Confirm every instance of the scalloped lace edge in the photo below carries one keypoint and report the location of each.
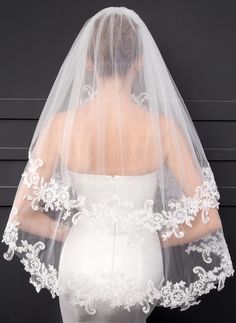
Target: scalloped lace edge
(170, 294)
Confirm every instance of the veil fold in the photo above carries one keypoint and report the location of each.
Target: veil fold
(116, 170)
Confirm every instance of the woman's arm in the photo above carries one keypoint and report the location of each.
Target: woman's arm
(188, 183)
(37, 222)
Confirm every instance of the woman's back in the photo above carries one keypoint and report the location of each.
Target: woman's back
(113, 142)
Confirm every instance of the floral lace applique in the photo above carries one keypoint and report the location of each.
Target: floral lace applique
(185, 210)
(117, 288)
(184, 295)
(56, 197)
(42, 276)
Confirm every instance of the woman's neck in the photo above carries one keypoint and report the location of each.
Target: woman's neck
(114, 91)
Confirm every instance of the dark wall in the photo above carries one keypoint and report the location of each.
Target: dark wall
(197, 41)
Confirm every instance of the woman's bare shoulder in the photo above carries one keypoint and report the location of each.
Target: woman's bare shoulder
(59, 119)
(143, 118)
(151, 120)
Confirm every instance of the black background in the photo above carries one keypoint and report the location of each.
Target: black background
(197, 41)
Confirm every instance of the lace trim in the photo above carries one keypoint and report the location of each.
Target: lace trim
(56, 196)
(89, 93)
(179, 295)
(42, 276)
(184, 211)
(116, 288)
(142, 99)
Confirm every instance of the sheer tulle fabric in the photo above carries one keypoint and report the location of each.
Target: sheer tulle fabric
(117, 208)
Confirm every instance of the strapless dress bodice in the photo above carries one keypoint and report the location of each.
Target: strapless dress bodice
(112, 251)
(95, 187)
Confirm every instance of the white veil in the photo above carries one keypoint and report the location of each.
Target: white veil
(115, 111)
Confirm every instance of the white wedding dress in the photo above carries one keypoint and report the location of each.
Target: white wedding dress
(97, 268)
(114, 247)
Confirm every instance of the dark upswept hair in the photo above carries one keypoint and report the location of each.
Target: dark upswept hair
(118, 45)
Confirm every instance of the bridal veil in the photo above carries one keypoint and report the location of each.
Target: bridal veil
(114, 111)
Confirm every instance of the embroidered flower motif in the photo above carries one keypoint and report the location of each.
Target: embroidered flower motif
(53, 194)
(41, 276)
(182, 295)
(111, 213)
(186, 209)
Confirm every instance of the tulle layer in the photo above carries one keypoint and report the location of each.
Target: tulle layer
(205, 266)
